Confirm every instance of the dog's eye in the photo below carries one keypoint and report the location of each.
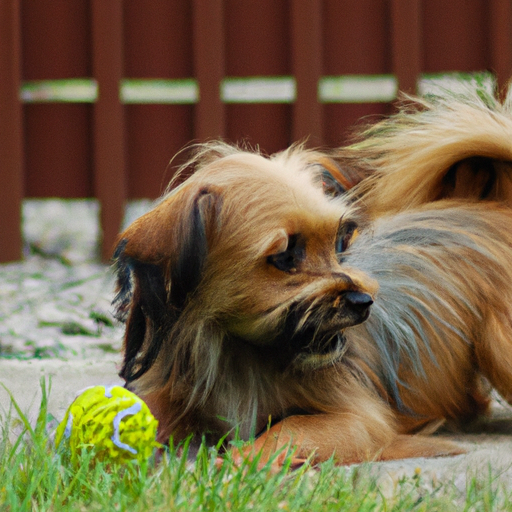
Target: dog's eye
(345, 234)
(288, 260)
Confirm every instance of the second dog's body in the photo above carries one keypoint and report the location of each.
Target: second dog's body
(442, 318)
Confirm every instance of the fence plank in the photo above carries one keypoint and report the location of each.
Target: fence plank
(501, 41)
(108, 127)
(406, 43)
(306, 36)
(11, 132)
(209, 63)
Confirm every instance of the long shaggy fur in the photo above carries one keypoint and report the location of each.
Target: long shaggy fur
(442, 317)
(438, 147)
(246, 295)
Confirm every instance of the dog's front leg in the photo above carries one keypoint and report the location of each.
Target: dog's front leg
(347, 436)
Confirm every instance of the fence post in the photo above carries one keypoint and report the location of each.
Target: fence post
(209, 64)
(11, 132)
(501, 42)
(306, 28)
(110, 186)
(406, 43)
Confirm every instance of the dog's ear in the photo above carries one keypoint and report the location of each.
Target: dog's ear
(159, 263)
(336, 178)
(194, 234)
(141, 303)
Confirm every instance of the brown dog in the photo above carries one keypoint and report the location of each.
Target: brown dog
(451, 146)
(247, 297)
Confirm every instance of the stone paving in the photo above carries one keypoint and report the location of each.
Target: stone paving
(55, 312)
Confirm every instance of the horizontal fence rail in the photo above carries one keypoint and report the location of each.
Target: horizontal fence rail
(97, 96)
(281, 89)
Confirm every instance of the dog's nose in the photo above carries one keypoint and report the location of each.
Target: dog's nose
(358, 301)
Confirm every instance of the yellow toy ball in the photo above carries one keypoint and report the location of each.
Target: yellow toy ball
(112, 421)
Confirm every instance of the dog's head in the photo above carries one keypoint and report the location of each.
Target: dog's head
(245, 252)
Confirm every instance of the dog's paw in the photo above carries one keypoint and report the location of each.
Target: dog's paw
(274, 461)
(273, 448)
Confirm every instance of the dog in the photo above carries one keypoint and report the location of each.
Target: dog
(444, 146)
(259, 302)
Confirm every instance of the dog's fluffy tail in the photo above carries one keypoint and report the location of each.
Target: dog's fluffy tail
(458, 145)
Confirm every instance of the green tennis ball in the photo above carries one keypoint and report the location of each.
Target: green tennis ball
(112, 421)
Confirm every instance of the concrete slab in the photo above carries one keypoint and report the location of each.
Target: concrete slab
(66, 378)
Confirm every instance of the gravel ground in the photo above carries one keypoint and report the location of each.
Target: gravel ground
(56, 323)
(55, 315)
(49, 309)
(56, 302)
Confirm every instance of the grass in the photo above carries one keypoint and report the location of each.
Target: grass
(35, 476)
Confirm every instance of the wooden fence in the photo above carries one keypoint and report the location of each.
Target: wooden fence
(96, 96)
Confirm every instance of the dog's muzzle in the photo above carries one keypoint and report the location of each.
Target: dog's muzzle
(317, 331)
